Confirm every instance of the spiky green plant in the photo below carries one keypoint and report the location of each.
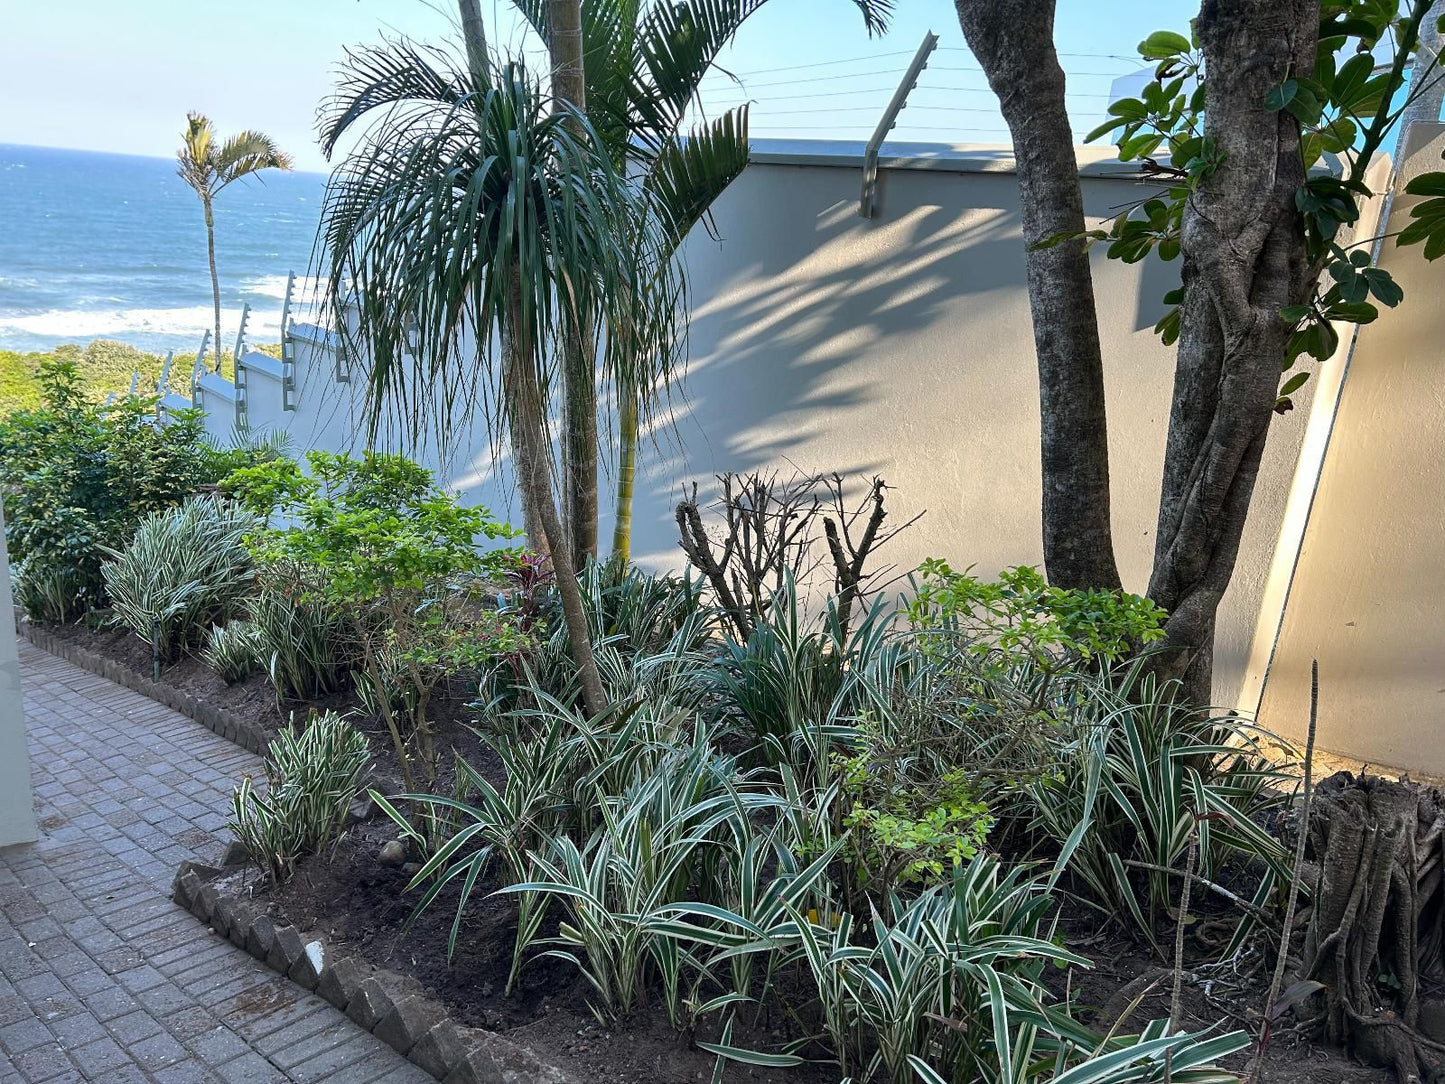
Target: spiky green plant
(233, 650)
(185, 569)
(1135, 769)
(312, 777)
(304, 645)
(475, 233)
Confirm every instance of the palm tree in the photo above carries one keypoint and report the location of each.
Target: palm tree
(474, 231)
(208, 167)
(643, 64)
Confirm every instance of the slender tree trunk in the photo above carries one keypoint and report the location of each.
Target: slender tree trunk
(579, 364)
(474, 33)
(626, 472)
(1013, 41)
(579, 448)
(215, 279)
(527, 421)
(522, 464)
(1244, 260)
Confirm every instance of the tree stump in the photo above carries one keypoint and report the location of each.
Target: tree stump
(1375, 928)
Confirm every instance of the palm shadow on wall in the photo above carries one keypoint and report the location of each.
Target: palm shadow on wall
(797, 315)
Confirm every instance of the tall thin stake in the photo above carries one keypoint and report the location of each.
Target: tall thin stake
(1299, 856)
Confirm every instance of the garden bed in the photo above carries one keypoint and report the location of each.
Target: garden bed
(358, 905)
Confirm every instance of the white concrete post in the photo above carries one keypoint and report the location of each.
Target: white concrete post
(17, 809)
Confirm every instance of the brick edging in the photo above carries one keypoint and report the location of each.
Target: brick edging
(226, 723)
(387, 1004)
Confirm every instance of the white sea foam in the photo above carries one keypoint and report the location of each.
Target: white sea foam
(263, 325)
(274, 286)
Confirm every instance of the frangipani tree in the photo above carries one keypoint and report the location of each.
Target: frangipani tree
(209, 165)
(475, 229)
(643, 64)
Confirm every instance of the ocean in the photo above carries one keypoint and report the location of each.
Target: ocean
(113, 246)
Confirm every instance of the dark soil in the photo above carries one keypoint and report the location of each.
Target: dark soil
(354, 900)
(254, 700)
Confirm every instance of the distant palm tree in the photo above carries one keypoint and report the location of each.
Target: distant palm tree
(208, 167)
(473, 232)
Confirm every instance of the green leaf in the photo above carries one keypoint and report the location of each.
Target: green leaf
(1163, 44)
(1354, 312)
(1294, 383)
(1106, 128)
(1282, 95)
(1427, 184)
(1350, 80)
(1386, 290)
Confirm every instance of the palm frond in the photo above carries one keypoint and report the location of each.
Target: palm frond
(461, 223)
(690, 173)
(246, 153)
(398, 72)
(679, 43)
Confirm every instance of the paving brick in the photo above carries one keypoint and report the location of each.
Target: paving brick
(102, 977)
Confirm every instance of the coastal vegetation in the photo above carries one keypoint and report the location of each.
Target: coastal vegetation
(102, 367)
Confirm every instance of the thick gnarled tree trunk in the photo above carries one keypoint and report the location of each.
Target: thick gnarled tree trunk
(1243, 261)
(1014, 41)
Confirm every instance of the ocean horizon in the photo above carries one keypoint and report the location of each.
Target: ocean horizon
(95, 245)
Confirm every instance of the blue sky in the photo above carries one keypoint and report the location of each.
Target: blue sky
(105, 75)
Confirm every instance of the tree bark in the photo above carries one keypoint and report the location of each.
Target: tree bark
(1243, 260)
(1013, 41)
(579, 446)
(215, 279)
(579, 371)
(474, 33)
(527, 421)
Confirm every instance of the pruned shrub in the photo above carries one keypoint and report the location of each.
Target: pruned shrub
(312, 777)
(185, 569)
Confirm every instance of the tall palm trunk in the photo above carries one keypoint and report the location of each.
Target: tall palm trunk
(579, 377)
(527, 422)
(215, 279)
(626, 472)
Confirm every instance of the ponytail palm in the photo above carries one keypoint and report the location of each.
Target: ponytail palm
(474, 231)
(644, 61)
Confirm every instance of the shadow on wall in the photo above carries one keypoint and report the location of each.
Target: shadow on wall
(820, 338)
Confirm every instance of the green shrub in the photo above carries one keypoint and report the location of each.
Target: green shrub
(1020, 617)
(376, 545)
(45, 591)
(233, 650)
(185, 569)
(311, 780)
(79, 476)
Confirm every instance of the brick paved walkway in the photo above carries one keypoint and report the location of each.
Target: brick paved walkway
(102, 977)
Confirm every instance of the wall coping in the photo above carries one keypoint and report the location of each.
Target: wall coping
(1100, 161)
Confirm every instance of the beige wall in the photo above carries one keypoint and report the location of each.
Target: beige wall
(899, 345)
(1368, 592)
(902, 345)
